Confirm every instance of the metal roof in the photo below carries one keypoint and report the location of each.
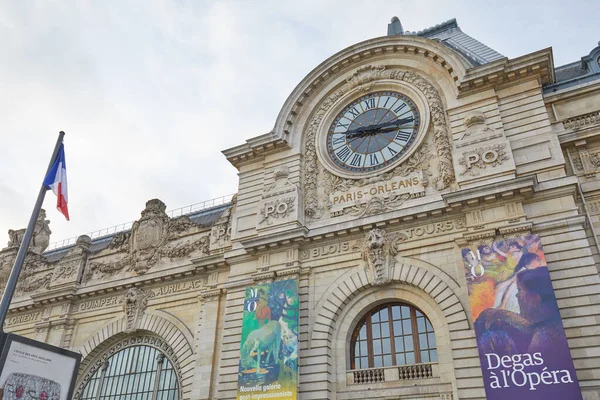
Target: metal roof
(204, 218)
(449, 34)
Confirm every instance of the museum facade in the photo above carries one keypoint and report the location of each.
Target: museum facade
(387, 161)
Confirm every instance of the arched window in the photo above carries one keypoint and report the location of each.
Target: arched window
(136, 372)
(392, 334)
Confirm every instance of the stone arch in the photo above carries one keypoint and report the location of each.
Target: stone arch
(156, 323)
(374, 296)
(440, 286)
(436, 54)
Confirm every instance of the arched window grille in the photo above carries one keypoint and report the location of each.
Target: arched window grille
(134, 373)
(392, 334)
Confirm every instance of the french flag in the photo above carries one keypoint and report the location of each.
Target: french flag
(57, 181)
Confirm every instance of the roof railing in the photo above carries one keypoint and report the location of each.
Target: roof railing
(178, 212)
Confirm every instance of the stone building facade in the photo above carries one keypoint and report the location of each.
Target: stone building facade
(502, 148)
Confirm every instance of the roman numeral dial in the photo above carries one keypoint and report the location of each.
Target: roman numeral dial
(373, 131)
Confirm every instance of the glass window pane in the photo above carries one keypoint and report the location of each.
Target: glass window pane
(399, 344)
(387, 346)
(378, 361)
(364, 361)
(131, 375)
(396, 312)
(433, 355)
(363, 332)
(363, 349)
(405, 312)
(429, 327)
(410, 358)
(397, 328)
(431, 337)
(377, 347)
(421, 325)
(418, 313)
(375, 317)
(423, 341)
(387, 361)
(400, 359)
(385, 329)
(383, 315)
(407, 326)
(375, 331)
(425, 356)
(408, 343)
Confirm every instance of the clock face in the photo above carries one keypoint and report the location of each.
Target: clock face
(373, 131)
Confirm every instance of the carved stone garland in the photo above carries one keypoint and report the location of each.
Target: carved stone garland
(146, 340)
(363, 79)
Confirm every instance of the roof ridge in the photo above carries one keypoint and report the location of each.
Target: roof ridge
(451, 23)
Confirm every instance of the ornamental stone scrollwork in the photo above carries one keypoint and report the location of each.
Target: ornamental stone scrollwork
(365, 78)
(378, 250)
(134, 305)
(441, 127)
(152, 238)
(480, 158)
(143, 340)
(281, 202)
(120, 241)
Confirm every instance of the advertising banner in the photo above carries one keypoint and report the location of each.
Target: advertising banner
(34, 370)
(268, 367)
(521, 340)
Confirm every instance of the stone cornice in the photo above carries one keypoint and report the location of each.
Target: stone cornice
(469, 197)
(255, 149)
(504, 71)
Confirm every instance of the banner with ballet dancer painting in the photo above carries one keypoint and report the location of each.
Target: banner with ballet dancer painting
(268, 367)
(521, 340)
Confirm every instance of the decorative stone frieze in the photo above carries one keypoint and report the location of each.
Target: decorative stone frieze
(151, 239)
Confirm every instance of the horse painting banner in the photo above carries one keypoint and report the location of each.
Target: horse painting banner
(520, 337)
(268, 367)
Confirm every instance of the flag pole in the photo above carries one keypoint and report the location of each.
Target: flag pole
(9, 290)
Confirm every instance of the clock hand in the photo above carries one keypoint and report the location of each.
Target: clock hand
(372, 129)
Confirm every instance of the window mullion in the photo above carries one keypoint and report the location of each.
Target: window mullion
(370, 342)
(159, 360)
(392, 335)
(415, 335)
(102, 375)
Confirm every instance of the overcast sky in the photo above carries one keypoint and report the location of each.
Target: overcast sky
(150, 92)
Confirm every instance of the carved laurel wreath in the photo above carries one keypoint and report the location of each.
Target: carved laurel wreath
(441, 139)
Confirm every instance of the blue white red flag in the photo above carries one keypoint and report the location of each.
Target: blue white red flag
(57, 181)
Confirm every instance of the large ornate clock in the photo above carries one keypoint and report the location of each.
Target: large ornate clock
(370, 134)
